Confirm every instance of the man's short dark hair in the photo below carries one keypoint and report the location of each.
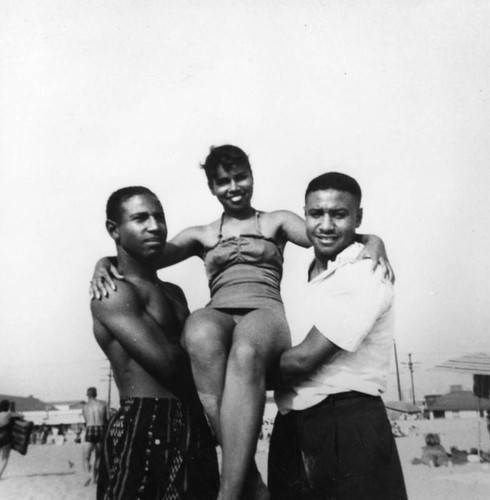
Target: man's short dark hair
(226, 156)
(117, 198)
(337, 181)
(4, 405)
(92, 392)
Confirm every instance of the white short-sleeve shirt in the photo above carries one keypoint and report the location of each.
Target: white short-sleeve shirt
(353, 307)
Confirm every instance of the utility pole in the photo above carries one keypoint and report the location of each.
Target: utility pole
(109, 387)
(410, 367)
(109, 390)
(400, 397)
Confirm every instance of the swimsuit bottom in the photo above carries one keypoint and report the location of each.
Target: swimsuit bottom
(94, 434)
(158, 449)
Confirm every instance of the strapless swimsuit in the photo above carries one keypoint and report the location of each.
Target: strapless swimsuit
(244, 272)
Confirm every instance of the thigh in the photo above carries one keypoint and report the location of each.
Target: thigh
(208, 329)
(265, 330)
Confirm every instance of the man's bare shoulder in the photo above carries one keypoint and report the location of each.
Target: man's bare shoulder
(125, 299)
(94, 404)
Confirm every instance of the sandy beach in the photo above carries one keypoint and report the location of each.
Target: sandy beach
(54, 472)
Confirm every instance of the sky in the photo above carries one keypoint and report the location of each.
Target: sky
(96, 95)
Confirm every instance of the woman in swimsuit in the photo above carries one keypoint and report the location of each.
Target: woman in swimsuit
(238, 336)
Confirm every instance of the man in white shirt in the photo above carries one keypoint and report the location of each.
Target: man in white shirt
(332, 438)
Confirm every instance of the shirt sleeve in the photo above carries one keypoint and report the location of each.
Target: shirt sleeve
(350, 302)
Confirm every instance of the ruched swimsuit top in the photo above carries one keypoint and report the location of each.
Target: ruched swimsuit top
(244, 272)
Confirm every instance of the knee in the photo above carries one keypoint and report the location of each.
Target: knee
(200, 339)
(247, 360)
(195, 332)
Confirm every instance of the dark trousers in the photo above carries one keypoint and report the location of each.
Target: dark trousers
(340, 449)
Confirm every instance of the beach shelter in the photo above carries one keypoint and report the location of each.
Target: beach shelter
(399, 409)
(402, 407)
(479, 366)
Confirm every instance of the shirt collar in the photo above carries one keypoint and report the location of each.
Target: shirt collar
(348, 255)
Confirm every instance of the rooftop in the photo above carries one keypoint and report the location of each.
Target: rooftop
(28, 404)
(458, 401)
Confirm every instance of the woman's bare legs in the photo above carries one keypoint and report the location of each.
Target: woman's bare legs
(257, 341)
(207, 338)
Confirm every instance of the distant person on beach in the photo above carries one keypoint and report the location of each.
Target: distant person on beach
(5, 434)
(158, 445)
(95, 415)
(332, 437)
(237, 338)
(433, 453)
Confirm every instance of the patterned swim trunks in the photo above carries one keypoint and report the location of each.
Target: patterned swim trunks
(157, 449)
(94, 434)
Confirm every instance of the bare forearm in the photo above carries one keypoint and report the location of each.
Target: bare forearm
(299, 361)
(293, 365)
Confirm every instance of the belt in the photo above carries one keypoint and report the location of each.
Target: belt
(339, 396)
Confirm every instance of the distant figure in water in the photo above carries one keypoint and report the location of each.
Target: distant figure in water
(95, 415)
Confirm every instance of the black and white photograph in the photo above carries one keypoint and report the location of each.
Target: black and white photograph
(244, 249)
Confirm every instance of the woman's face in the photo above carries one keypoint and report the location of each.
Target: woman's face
(233, 187)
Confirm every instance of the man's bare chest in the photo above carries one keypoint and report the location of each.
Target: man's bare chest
(164, 306)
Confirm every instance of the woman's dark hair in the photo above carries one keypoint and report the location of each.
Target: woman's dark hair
(226, 156)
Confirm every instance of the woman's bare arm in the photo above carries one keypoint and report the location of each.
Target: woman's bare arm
(292, 227)
(185, 244)
(375, 249)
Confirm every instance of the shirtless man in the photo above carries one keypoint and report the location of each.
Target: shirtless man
(95, 415)
(158, 445)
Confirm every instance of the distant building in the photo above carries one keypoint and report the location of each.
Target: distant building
(68, 405)
(23, 404)
(39, 412)
(402, 410)
(458, 403)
